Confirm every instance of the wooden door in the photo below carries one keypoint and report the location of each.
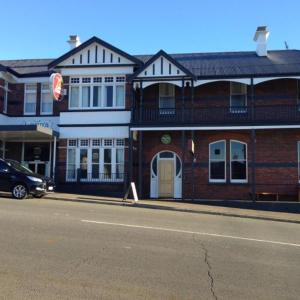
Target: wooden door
(166, 178)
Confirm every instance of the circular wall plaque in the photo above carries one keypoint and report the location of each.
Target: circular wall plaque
(166, 139)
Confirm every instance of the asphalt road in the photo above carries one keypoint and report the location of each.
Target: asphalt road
(60, 250)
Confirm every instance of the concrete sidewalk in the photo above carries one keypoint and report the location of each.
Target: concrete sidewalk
(184, 206)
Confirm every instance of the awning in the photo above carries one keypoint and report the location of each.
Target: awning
(29, 132)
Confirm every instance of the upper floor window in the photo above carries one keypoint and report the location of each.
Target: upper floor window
(46, 100)
(238, 97)
(166, 98)
(217, 161)
(238, 161)
(5, 97)
(97, 92)
(30, 99)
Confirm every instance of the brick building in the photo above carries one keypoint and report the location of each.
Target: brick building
(191, 125)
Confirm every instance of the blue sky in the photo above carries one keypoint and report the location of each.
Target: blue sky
(39, 29)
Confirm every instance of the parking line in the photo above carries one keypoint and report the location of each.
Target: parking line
(192, 232)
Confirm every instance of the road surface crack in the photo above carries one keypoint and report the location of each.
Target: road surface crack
(209, 270)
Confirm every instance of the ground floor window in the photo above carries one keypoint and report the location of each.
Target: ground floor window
(95, 159)
(238, 161)
(217, 161)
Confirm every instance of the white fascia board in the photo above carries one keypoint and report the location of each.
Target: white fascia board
(8, 77)
(240, 80)
(214, 128)
(96, 71)
(263, 79)
(121, 132)
(95, 117)
(34, 79)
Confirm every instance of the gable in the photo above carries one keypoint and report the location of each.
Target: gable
(95, 54)
(161, 66)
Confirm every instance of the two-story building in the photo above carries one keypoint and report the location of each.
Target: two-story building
(191, 125)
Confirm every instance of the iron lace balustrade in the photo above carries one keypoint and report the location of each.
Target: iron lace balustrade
(218, 116)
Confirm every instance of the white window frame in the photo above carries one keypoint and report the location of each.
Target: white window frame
(45, 91)
(239, 180)
(209, 160)
(103, 85)
(238, 110)
(114, 146)
(25, 97)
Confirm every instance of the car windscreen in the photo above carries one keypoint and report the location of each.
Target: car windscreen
(18, 166)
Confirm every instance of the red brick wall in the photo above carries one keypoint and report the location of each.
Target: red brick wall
(276, 162)
(15, 99)
(216, 94)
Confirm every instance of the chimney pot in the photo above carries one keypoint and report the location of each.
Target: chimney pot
(261, 37)
(74, 41)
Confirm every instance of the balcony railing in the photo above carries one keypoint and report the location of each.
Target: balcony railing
(244, 115)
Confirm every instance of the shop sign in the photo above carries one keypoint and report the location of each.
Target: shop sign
(56, 86)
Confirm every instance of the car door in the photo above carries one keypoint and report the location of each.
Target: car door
(5, 177)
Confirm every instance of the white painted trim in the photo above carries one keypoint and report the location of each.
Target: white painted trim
(214, 128)
(148, 83)
(263, 79)
(239, 180)
(34, 80)
(225, 171)
(239, 80)
(154, 184)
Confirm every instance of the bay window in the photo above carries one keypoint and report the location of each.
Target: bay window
(238, 161)
(46, 100)
(30, 99)
(97, 92)
(96, 159)
(217, 161)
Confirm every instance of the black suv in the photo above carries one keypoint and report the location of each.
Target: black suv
(21, 181)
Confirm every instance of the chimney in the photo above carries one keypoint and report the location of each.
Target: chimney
(261, 37)
(74, 41)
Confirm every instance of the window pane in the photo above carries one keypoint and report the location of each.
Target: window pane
(47, 103)
(238, 170)
(238, 100)
(217, 170)
(83, 163)
(119, 171)
(86, 94)
(30, 102)
(238, 88)
(71, 168)
(107, 156)
(166, 155)
(109, 96)
(120, 97)
(97, 96)
(74, 97)
(120, 156)
(95, 156)
(217, 150)
(238, 151)
(107, 171)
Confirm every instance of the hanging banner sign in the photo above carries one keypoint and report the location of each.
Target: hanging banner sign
(56, 86)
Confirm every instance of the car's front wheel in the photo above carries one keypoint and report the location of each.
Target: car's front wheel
(19, 191)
